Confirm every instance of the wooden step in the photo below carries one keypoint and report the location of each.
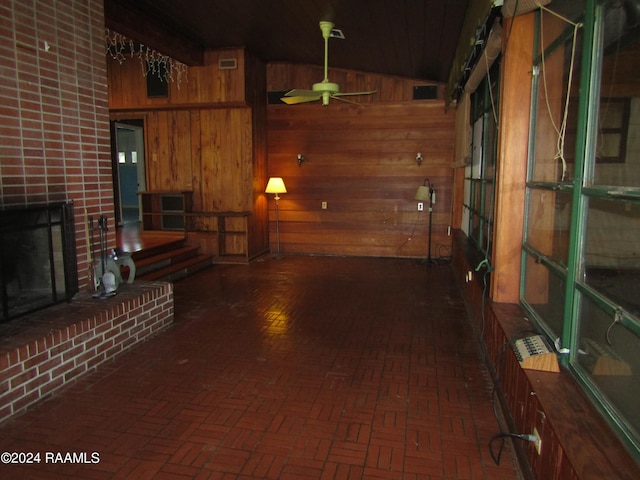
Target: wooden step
(177, 270)
(154, 250)
(164, 258)
(162, 255)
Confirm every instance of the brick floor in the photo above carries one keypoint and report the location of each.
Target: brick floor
(298, 368)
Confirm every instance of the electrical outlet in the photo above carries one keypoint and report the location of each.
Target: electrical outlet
(538, 442)
(420, 206)
(324, 205)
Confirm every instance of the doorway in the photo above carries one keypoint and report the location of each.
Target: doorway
(129, 170)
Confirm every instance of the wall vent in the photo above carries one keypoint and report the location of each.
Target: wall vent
(425, 92)
(227, 64)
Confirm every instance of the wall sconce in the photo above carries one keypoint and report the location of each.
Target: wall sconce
(419, 158)
(426, 193)
(276, 186)
(300, 159)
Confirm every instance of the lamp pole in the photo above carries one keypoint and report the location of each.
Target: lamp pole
(277, 225)
(276, 186)
(431, 193)
(426, 192)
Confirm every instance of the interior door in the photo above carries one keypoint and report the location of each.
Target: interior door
(129, 158)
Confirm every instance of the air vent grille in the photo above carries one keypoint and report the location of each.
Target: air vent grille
(227, 64)
(425, 92)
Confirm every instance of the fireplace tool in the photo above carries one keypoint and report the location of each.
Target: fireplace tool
(107, 278)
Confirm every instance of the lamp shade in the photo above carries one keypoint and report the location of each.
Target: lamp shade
(275, 185)
(422, 194)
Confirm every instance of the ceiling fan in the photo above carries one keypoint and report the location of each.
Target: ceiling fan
(325, 89)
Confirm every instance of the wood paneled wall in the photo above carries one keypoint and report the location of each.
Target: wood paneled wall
(208, 136)
(212, 136)
(361, 160)
(206, 85)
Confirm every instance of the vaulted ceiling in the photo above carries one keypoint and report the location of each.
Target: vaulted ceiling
(411, 38)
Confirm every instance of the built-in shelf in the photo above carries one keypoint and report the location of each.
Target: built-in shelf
(221, 234)
(229, 228)
(165, 210)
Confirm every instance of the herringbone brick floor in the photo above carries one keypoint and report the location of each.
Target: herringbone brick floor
(295, 368)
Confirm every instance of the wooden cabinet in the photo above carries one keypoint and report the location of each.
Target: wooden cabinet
(165, 210)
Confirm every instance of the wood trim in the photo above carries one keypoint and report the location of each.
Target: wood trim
(511, 171)
(181, 107)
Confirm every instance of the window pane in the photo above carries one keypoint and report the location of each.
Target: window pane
(475, 227)
(618, 138)
(544, 293)
(467, 199)
(486, 237)
(548, 223)
(554, 25)
(609, 356)
(557, 103)
(490, 147)
(475, 201)
(476, 152)
(488, 200)
(612, 251)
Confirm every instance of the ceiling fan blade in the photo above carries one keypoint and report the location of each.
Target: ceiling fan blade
(299, 92)
(335, 97)
(341, 94)
(300, 99)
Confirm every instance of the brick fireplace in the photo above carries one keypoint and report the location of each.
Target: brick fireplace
(37, 258)
(56, 146)
(56, 150)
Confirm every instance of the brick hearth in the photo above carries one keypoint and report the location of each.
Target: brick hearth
(42, 352)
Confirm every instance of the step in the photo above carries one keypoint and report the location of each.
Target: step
(178, 270)
(141, 255)
(164, 258)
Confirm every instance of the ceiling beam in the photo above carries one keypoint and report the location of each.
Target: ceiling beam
(141, 27)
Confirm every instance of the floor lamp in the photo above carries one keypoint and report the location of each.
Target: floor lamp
(276, 186)
(426, 193)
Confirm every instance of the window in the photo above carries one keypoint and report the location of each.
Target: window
(157, 79)
(480, 174)
(581, 253)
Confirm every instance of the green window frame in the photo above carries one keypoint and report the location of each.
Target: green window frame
(479, 198)
(580, 276)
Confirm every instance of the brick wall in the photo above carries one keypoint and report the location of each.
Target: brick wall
(54, 347)
(54, 119)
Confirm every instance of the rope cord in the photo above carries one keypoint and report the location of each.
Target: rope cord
(562, 128)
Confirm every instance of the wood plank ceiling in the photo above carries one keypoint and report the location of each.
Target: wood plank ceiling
(409, 38)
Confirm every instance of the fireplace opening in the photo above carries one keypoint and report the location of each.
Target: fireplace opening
(38, 266)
